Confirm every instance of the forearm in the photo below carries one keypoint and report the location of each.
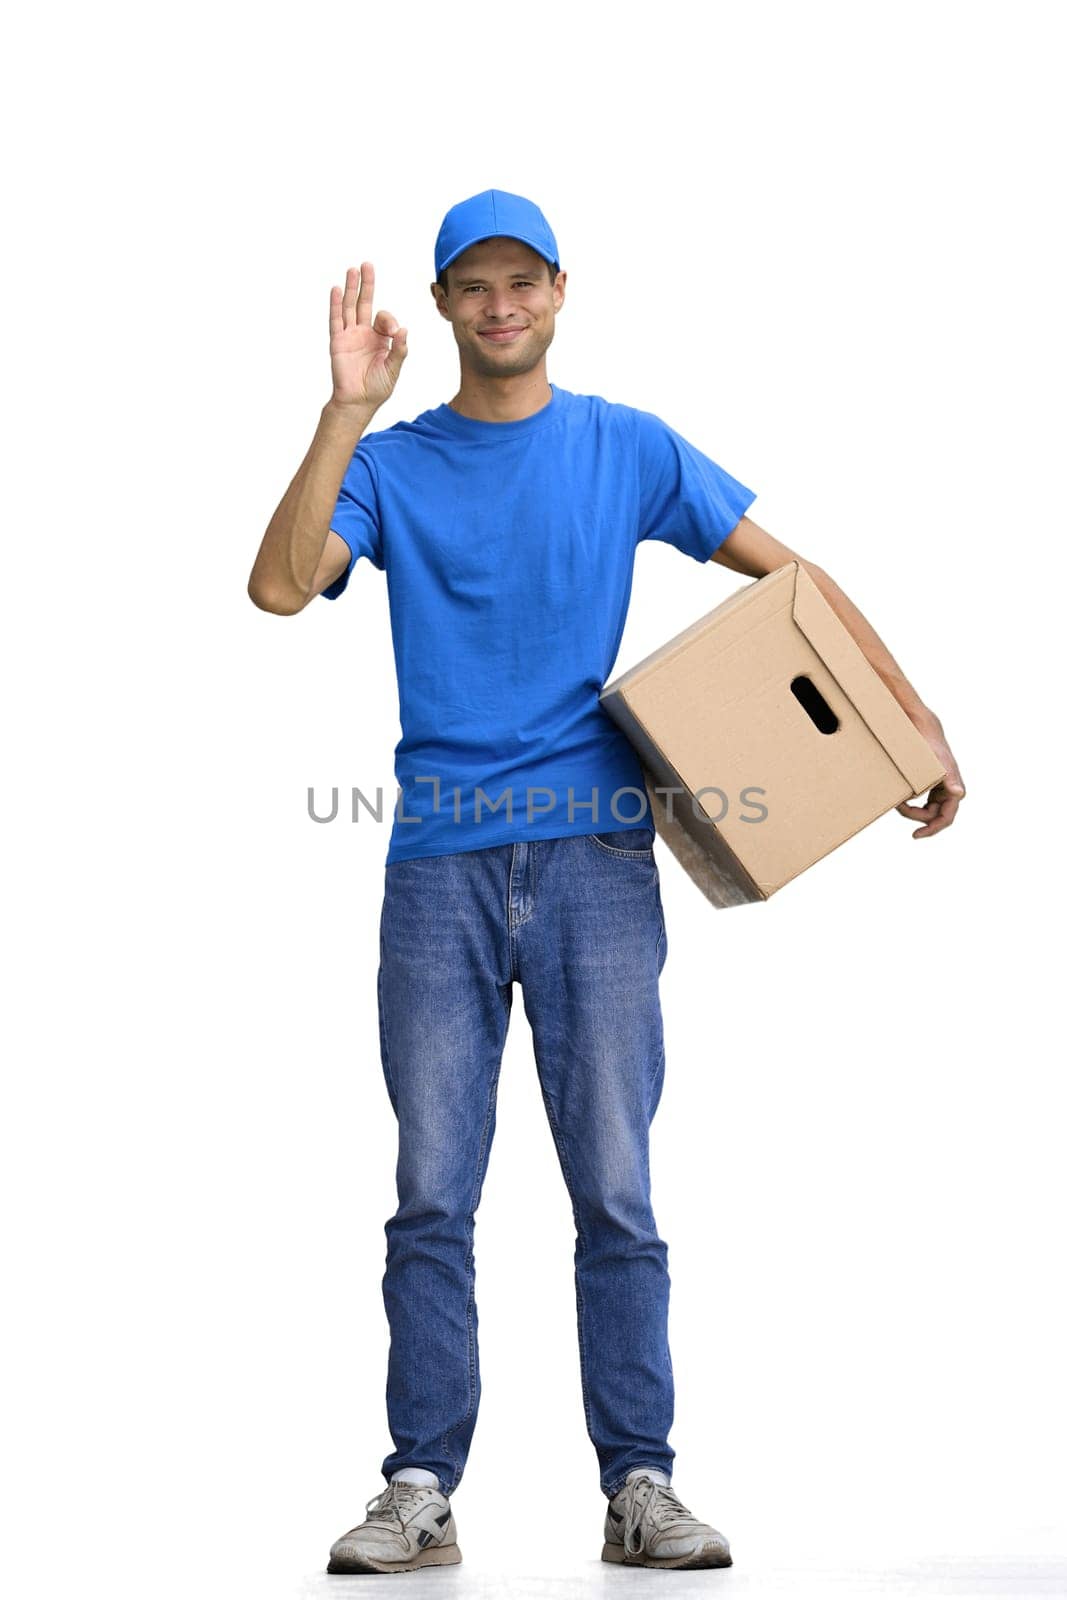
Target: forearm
(887, 668)
(293, 544)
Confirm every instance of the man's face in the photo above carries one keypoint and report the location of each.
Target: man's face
(501, 286)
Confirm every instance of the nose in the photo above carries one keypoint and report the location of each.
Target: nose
(500, 305)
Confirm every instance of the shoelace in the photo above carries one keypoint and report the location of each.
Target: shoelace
(655, 1502)
(393, 1501)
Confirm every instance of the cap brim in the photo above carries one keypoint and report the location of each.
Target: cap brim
(481, 240)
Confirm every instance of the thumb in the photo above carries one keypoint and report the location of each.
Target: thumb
(395, 359)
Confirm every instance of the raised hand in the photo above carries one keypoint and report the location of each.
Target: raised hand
(365, 354)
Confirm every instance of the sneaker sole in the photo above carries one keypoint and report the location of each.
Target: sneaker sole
(433, 1556)
(709, 1556)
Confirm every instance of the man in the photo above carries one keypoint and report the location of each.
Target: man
(522, 847)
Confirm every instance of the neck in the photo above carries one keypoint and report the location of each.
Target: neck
(504, 399)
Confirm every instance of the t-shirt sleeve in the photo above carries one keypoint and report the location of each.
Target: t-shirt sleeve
(686, 499)
(357, 519)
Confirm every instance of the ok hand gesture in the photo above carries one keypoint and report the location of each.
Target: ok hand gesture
(366, 355)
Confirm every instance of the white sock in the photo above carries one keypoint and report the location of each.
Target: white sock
(655, 1473)
(420, 1475)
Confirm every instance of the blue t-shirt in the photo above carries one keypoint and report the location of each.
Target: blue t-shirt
(508, 549)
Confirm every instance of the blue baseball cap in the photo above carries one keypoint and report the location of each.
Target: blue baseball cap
(490, 215)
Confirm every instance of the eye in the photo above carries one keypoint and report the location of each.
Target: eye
(522, 283)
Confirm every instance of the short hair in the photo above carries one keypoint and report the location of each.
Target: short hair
(553, 274)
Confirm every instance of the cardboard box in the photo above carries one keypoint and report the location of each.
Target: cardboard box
(769, 702)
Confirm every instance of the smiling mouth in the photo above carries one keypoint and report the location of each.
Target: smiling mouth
(500, 335)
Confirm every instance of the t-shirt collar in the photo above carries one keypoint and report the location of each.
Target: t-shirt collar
(463, 427)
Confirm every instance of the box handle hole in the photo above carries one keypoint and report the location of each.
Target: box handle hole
(814, 704)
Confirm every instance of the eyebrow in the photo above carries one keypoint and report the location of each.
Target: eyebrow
(464, 283)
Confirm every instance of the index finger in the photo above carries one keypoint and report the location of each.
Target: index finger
(930, 809)
(947, 815)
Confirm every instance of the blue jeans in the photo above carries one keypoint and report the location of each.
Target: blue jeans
(578, 923)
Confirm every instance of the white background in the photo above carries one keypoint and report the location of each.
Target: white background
(821, 242)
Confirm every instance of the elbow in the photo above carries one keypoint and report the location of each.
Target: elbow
(279, 604)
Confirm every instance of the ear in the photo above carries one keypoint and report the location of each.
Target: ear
(440, 300)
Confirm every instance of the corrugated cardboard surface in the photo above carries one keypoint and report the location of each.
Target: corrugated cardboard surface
(718, 707)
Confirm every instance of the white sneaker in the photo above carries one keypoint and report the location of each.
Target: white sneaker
(648, 1526)
(408, 1525)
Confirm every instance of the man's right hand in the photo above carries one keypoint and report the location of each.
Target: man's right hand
(366, 353)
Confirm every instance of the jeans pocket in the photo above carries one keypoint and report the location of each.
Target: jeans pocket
(625, 841)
